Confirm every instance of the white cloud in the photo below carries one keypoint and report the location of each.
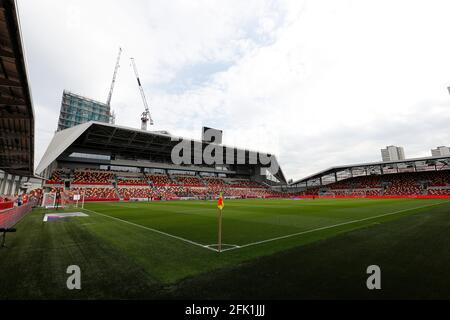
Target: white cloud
(318, 83)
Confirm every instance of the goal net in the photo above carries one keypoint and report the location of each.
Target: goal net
(50, 200)
(76, 199)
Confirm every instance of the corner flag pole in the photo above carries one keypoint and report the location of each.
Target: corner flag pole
(219, 233)
(220, 206)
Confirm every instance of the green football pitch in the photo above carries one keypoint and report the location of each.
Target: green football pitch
(252, 222)
(149, 249)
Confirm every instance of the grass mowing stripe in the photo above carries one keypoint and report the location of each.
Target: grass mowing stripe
(332, 226)
(271, 239)
(154, 230)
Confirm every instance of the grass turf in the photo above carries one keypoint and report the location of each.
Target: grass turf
(122, 257)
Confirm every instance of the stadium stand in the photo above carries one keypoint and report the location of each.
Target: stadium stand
(158, 179)
(127, 181)
(439, 192)
(135, 193)
(92, 177)
(242, 183)
(156, 186)
(138, 164)
(55, 178)
(191, 181)
(97, 194)
(214, 182)
(404, 185)
(395, 184)
(98, 186)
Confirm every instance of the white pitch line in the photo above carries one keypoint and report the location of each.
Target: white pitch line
(332, 226)
(232, 246)
(154, 230)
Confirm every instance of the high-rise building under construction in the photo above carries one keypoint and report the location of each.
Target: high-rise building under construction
(76, 109)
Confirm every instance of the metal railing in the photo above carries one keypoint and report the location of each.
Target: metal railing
(10, 217)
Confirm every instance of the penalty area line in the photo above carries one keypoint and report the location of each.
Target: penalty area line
(154, 230)
(334, 226)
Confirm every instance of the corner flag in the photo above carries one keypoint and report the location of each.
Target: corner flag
(220, 203)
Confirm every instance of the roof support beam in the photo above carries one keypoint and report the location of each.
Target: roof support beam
(12, 134)
(6, 101)
(9, 83)
(9, 153)
(18, 116)
(6, 54)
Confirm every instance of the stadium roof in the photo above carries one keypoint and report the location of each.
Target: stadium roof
(370, 165)
(153, 148)
(16, 108)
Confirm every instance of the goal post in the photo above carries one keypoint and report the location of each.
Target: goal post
(71, 199)
(49, 200)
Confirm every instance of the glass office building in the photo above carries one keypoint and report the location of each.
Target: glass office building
(76, 109)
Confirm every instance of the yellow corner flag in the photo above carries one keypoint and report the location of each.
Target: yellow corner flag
(220, 203)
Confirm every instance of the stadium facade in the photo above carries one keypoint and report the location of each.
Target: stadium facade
(76, 109)
(416, 173)
(134, 152)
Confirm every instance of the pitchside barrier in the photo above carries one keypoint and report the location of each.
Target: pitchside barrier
(375, 197)
(10, 217)
(6, 205)
(136, 199)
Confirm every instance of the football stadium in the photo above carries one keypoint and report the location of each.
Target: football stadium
(145, 214)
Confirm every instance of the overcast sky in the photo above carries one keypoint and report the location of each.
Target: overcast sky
(318, 83)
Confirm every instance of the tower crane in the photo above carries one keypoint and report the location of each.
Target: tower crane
(116, 68)
(145, 116)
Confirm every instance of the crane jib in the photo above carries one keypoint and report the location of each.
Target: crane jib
(145, 117)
